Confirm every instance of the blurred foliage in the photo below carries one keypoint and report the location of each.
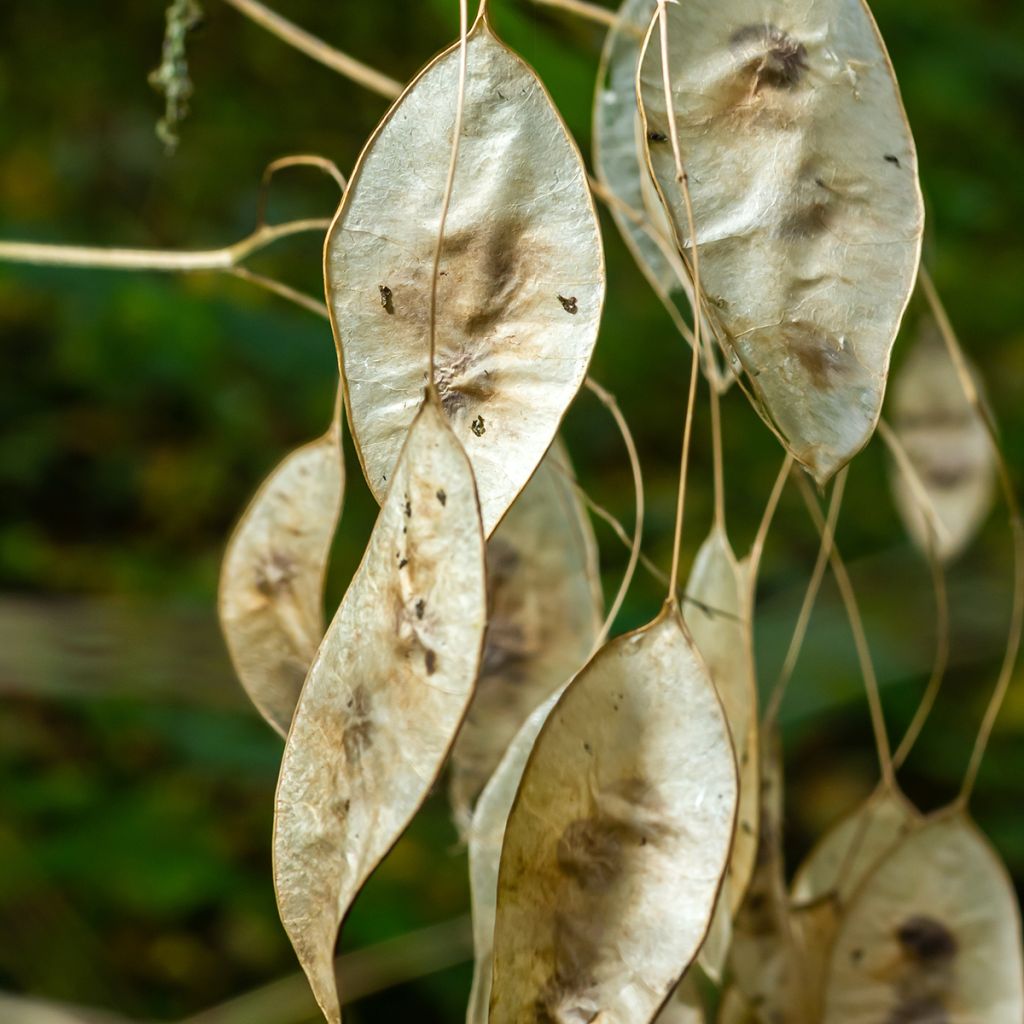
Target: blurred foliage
(139, 412)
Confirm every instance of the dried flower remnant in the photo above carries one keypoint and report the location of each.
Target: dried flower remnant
(384, 697)
(171, 78)
(947, 444)
(809, 234)
(933, 934)
(521, 229)
(270, 600)
(618, 839)
(545, 608)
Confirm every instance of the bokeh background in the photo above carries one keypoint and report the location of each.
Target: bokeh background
(138, 413)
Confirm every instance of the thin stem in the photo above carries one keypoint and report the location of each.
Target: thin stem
(42, 254)
(926, 510)
(449, 185)
(609, 402)
(363, 972)
(796, 641)
(661, 19)
(716, 457)
(761, 537)
(311, 46)
(592, 12)
(867, 668)
(1016, 626)
(282, 290)
(328, 167)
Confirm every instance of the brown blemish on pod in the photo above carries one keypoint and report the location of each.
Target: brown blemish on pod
(358, 728)
(275, 574)
(822, 356)
(569, 304)
(386, 299)
(772, 58)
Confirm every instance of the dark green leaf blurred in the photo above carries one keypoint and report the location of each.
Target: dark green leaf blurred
(139, 413)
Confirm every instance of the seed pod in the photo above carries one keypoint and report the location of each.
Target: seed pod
(808, 212)
(719, 618)
(545, 609)
(270, 600)
(384, 696)
(932, 934)
(685, 1006)
(521, 280)
(618, 839)
(947, 444)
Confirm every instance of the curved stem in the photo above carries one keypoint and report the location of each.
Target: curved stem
(796, 641)
(168, 260)
(1016, 626)
(761, 537)
(716, 456)
(282, 290)
(328, 167)
(608, 401)
(449, 185)
(930, 516)
(311, 46)
(859, 637)
(592, 12)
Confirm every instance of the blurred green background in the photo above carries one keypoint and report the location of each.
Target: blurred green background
(139, 412)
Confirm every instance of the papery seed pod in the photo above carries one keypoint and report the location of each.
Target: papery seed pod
(384, 697)
(521, 281)
(805, 197)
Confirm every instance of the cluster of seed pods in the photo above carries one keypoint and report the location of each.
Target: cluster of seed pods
(621, 799)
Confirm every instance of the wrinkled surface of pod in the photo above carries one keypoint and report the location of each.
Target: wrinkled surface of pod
(545, 608)
(521, 277)
(618, 838)
(808, 212)
(947, 443)
(933, 934)
(384, 696)
(270, 598)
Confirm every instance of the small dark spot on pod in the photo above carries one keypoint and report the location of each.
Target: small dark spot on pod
(403, 562)
(588, 748)
(856, 955)
(569, 304)
(926, 939)
(657, 137)
(385, 298)
(477, 426)
(893, 159)
(430, 661)
(442, 497)
(776, 59)
(421, 607)
(408, 509)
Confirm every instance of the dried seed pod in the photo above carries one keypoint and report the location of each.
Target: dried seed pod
(719, 618)
(846, 854)
(685, 1006)
(947, 444)
(932, 934)
(270, 599)
(806, 201)
(384, 696)
(545, 609)
(618, 839)
(485, 840)
(521, 275)
(617, 143)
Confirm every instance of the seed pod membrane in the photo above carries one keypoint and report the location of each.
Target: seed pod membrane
(718, 615)
(545, 610)
(485, 839)
(847, 852)
(618, 839)
(685, 1005)
(947, 443)
(270, 599)
(521, 276)
(806, 201)
(933, 934)
(384, 696)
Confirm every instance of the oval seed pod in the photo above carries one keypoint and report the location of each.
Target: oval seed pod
(718, 615)
(808, 212)
(384, 696)
(618, 839)
(545, 609)
(947, 444)
(485, 840)
(270, 597)
(933, 934)
(521, 276)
